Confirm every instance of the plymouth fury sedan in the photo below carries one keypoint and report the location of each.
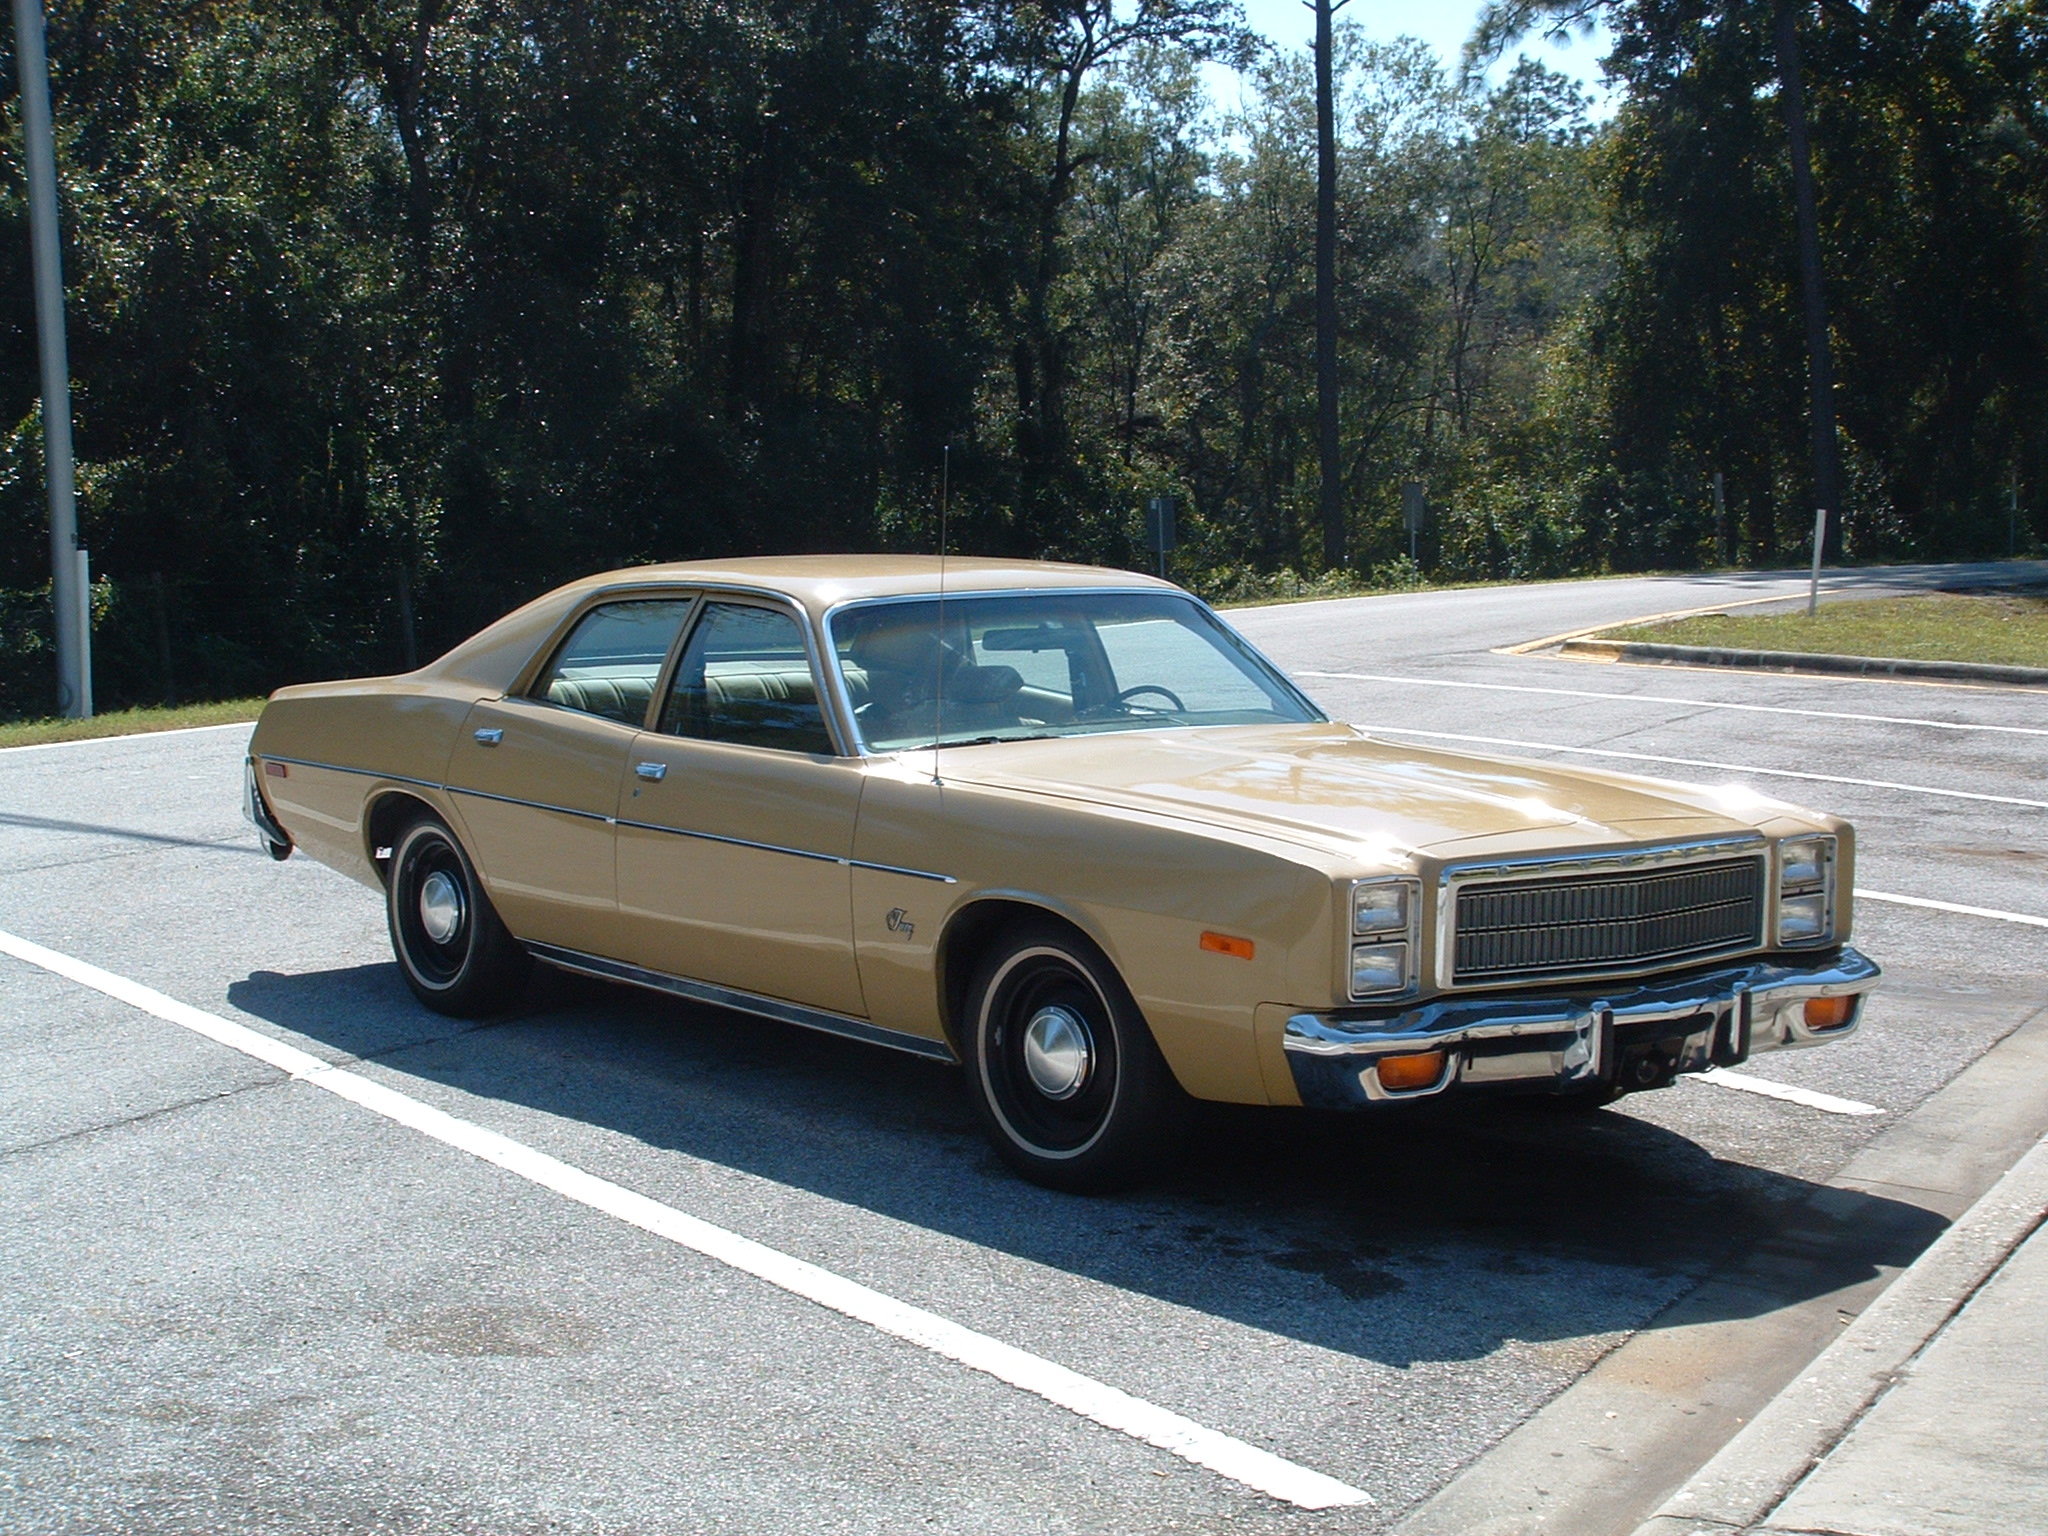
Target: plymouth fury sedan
(1062, 826)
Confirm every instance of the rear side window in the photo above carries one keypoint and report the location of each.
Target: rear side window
(745, 677)
(612, 659)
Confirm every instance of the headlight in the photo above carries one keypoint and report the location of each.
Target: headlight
(1384, 915)
(1381, 906)
(1806, 890)
(1377, 968)
(1802, 919)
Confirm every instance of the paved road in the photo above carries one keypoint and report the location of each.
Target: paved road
(229, 1301)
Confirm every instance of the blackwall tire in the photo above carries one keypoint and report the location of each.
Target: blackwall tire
(1062, 1069)
(452, 948)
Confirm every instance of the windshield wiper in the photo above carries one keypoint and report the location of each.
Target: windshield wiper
(985, 741)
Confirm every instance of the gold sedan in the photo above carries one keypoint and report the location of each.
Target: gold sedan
(1061, 825)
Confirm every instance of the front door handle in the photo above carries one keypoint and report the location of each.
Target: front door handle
(489, 736)
(654, 773)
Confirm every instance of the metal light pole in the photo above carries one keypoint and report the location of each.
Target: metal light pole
(68, 587)
(1330, 489)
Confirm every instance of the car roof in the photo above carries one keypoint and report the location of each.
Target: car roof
(495, 655)
(820, 581)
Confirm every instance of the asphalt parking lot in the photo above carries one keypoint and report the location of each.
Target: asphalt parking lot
(232, 1301)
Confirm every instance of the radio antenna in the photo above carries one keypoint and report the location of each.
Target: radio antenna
(939, 682)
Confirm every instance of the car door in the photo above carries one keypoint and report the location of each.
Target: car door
(736, 818)
(535, 775)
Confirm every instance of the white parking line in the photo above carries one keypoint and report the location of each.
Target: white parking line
(1668, 698)
(1952, 906)
(1721, 1077)
(1695, 762)
(1091, 1399)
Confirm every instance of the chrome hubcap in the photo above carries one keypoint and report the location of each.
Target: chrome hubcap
(440, 907)
(1058, 1052)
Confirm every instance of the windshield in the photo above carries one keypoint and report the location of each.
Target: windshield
(1049, 664)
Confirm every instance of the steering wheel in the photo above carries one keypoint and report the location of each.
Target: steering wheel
(1125, 696)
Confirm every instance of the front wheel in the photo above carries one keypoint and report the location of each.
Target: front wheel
(457, 955)
(1061, 1067)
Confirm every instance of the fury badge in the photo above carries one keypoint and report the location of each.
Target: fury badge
(899, 921)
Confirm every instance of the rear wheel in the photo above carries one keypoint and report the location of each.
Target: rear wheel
(457, 956)
(1062, 1069)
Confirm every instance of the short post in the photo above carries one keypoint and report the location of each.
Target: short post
(1721, 516)
(1159, 529)
(163, 636)
(1820, 533)
(1413, 507)
(82, 642)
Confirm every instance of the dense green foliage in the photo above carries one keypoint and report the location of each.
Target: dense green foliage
(392, 313)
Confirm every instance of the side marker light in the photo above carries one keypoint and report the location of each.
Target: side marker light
(1404, 1074)
(1829, 1012)
(1224, 944)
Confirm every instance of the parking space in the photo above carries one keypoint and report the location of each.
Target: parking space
(235, 1301)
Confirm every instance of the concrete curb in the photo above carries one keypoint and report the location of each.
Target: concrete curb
(1755, 1471)
(1816, 662)
(1604, 1454)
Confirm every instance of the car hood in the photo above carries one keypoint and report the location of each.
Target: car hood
(1337, 787)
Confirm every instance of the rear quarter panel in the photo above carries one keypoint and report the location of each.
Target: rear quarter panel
(342, 745)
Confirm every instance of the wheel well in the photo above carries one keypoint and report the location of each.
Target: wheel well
(969, 937)
(388, 813)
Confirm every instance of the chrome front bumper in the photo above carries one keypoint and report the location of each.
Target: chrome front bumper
(1579, 1041)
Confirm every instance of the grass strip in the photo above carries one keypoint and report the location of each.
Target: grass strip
(1997, 629)
(128, 722)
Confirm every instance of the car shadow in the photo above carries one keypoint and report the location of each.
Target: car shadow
(235, 845)
(1429, 1236)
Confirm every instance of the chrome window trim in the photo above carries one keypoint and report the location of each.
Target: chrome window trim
(567, 709)
(745, 1002)
(1454, 877)
(838, 678)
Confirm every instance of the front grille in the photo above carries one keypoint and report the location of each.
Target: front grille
(1568, 924)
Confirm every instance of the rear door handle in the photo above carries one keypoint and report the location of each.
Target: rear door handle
(489, 736)
(654, 773)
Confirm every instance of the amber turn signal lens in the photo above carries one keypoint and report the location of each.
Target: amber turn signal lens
(1224, 944)
(1829, 1012)
(1404, 1074)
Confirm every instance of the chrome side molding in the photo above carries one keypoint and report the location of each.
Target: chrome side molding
(743, 1002)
